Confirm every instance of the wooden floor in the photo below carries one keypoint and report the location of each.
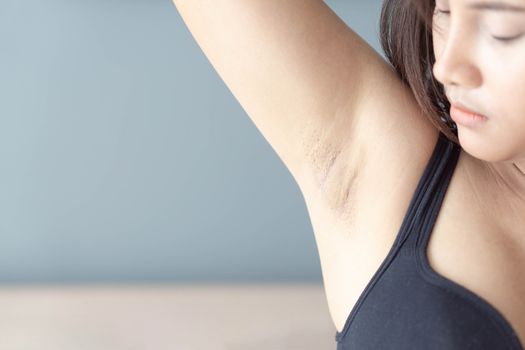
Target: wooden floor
(158, 317)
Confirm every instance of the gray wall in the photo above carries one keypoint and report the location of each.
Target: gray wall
(124, 157)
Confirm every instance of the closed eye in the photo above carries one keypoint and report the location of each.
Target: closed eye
(507, 39)
(438, 11)
(498, 38)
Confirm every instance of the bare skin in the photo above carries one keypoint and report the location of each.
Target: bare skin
(481, 71)
(355, 140)
(478, 240)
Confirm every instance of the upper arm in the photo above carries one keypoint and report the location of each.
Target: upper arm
(295, 67)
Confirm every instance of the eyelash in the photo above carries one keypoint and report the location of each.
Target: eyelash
(503, 40)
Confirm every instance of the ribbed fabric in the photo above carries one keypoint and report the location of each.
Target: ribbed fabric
(407, 305)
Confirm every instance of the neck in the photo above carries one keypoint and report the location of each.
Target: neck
(499, 190)
(516, 178)
(518, 168)
(509, 189)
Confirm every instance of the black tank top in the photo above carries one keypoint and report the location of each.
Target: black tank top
(407, 305)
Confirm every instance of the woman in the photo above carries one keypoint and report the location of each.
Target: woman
(374, 147)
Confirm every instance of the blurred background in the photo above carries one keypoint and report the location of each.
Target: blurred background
(134, 187)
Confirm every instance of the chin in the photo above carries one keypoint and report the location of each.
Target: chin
(482, 147)
(493, 151)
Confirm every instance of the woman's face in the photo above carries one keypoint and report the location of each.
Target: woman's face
(480, 60)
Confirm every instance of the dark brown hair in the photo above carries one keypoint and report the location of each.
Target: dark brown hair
(406, 39)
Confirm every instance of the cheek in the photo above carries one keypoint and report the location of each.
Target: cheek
(437, 42)
(501, 71)
(506, 94)
(439, 34)
(511, 125)
(437, 45)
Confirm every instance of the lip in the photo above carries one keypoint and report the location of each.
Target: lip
(464, 108)
(466, 117)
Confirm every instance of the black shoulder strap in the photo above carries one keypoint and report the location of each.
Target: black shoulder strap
(430, 191)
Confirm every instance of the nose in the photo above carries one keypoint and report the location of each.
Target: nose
(455, 64)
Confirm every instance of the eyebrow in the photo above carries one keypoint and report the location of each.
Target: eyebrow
(496, 6)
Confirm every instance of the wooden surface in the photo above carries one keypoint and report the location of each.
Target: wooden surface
(175, 317)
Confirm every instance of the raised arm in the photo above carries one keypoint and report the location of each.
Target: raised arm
(296, 69)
